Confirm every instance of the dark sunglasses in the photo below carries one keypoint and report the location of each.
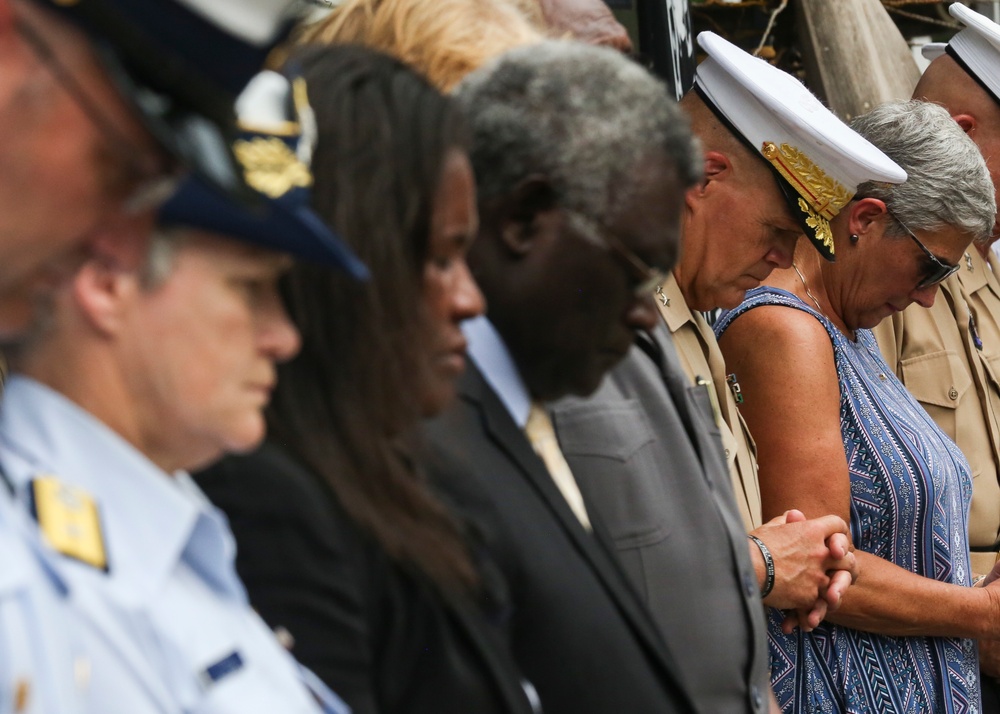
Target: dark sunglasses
(938, 270)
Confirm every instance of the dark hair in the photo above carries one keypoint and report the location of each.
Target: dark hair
(349, 402)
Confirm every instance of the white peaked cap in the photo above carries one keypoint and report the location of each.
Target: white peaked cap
(932, 50)
(977, 47)
(819, 161)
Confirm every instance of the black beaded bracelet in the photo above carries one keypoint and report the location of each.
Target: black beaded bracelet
(768, 566)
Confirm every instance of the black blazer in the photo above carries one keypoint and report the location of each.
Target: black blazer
(579, 631)
(381, 637)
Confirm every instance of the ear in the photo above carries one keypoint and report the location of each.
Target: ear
(519, 212)
(102, 291)
(864, 214)
(967, 122)
(718, 167)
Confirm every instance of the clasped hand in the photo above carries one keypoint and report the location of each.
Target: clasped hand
(814, 565)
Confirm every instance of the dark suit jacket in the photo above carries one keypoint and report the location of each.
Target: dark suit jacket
(379, 636)
(580, 633)
(646, 452)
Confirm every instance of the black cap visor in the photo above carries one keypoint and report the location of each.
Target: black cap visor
(815, 227)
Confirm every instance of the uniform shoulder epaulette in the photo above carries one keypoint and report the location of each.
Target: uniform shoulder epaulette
(68, 518)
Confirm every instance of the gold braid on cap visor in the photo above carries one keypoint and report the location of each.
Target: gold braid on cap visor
(270, 166)
(821, 197)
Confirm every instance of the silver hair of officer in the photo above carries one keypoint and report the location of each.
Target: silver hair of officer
(948, 182)
(158, 265)
(583, 117)
(164, 243)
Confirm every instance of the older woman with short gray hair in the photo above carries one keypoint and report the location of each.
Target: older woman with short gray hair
(837, 432)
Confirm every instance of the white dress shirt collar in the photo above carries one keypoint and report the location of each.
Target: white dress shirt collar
(488, 351)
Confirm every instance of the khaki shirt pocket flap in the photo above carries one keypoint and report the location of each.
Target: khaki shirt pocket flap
(938, 378)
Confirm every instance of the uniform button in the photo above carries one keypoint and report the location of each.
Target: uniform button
(727, 453)
(749, 584)
(758, 700)
(953, 393)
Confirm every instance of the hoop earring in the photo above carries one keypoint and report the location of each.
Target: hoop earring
(855, 237)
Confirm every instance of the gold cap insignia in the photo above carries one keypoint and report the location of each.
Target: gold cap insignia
(824, 194)
(821, 196)
(820, 226)
(270, 166)
(67, 516)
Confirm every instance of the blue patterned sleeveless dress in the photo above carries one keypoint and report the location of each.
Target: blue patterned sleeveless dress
(910, 494)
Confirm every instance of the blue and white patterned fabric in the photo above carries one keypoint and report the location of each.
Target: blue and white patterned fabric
(910, 494)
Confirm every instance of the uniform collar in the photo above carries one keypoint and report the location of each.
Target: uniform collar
(152, 522)
(488, 351)
(25, 556)
(974, 273)
(676, 312)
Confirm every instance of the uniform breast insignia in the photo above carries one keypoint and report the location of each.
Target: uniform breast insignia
(232, 662)
(734, 386)
(974, 333)
(68, 518)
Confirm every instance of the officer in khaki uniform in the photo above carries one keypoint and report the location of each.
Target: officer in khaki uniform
(948, 356)
(702, 362)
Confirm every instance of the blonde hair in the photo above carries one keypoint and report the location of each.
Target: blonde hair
(443, 39)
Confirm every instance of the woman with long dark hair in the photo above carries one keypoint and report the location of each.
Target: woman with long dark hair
(343, 547)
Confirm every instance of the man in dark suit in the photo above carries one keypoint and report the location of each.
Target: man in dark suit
(582, 161)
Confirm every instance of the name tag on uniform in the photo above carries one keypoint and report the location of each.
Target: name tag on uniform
(232, 662)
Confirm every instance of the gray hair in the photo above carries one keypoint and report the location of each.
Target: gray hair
(948, 183)
(581, 116)
(161, 257)
(158, 265)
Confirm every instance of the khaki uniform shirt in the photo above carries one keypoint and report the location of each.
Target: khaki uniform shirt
(702, 360)
(948, 357)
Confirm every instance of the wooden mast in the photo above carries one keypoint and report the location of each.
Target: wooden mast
(855, 56)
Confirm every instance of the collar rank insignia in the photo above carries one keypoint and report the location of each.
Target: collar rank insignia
(68, 518)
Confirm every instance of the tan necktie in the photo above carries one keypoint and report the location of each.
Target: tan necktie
(543, 440)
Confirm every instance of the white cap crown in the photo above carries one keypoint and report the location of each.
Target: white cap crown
(819, 160)
(977, 47)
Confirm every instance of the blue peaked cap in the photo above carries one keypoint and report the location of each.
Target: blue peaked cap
(274, 151)
(182, 63)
